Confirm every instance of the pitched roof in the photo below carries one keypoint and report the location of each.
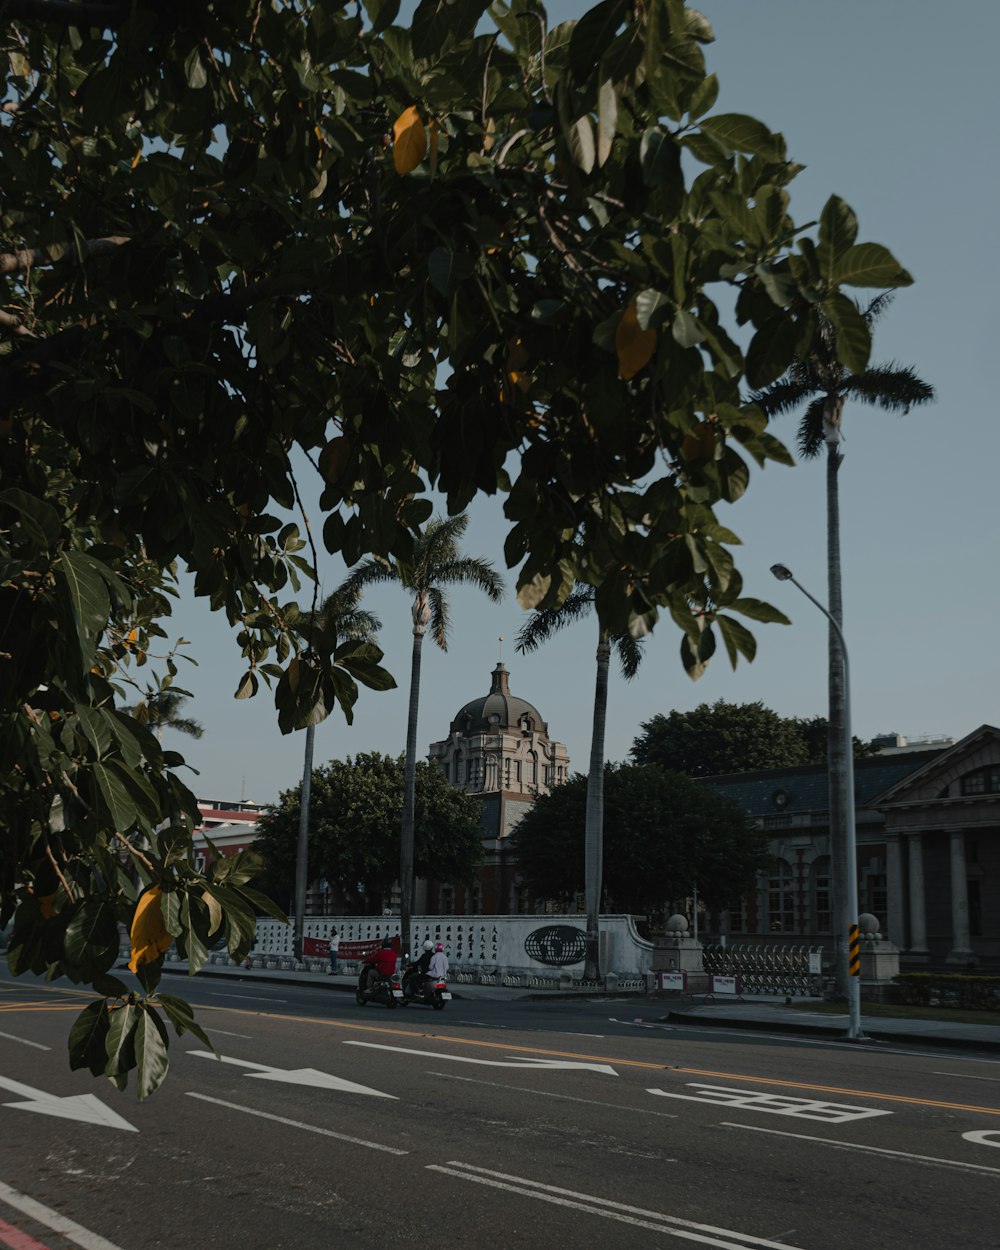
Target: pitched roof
(807, 785)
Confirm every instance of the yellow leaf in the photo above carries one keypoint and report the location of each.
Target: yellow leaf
(214, 913)
(702, 444)
(334, 458)
(137, 158)
(409, 140)
(635, 346)
(149, 938)
(46, 906)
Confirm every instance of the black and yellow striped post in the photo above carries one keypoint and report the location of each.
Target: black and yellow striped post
(853, 951)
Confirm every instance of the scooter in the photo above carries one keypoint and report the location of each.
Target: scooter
(430, 991)
(373, 988)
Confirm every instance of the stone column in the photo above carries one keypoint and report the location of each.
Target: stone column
(895, 897)
(918, 913)
(961, 951)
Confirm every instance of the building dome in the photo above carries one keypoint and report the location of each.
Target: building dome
(499, 710)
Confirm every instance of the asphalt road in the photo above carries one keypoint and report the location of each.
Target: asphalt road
(562, 1125)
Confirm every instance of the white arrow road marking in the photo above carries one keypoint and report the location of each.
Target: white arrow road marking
(294, 1076)
(672, 1226)
(85, 1107)
(522, 1062)
(984, 1137)
(774, 1104)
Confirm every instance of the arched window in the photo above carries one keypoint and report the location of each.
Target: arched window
(781, 898)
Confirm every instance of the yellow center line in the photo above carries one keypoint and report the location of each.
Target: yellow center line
(19, 1007)
(631, 1063)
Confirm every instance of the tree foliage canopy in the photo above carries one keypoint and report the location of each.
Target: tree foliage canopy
(717, 738)
(240, 243)
(662, 834)
(354, 821)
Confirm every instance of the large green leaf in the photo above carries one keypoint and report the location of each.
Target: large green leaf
(771, 351)
(150, 1050)
(854, 340)
(117, 801)
(119, 1046)
(593, 35)
(38, 519)
(93, 929)
(86, 1038)
(871, 265)
(838, 229)
(745, 134)
(84, 580)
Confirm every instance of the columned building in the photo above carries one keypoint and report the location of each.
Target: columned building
(928, 852)
(499, 750)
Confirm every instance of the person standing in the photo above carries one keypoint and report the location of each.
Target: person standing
(334, 951)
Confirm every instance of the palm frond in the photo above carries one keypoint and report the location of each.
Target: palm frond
(439, 541)
(541, 625)
(811, 435)
(783, 396)
(470, 571)
(629, 651)
(889, 387)
(439, 616)
(373, 572)
(877, 307)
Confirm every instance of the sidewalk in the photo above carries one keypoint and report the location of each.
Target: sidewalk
(774, 1016)
(771, 1015)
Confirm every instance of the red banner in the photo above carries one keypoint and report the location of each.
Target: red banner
(320, 947)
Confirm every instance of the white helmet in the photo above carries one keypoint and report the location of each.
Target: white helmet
(428, 946)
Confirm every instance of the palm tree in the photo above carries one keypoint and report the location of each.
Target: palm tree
(824, 384)
(162, 711)
(540, 627)
(436, 562)
(338, 619)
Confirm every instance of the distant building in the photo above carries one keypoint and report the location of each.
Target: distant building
(229, 824)
(499, 750)
(928, 852)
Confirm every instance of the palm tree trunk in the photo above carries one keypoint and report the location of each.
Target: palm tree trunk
(421, 615)
(836, 750)
(302, 846)
(594, 826)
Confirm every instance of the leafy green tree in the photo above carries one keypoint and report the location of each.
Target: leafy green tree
(663, 833)
(248, 244)
(721, 737)
(436, 562)
(355, 810)
(538, 629)
(832, 369)
(339, 619)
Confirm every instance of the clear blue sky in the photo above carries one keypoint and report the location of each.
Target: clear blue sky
(890, 105)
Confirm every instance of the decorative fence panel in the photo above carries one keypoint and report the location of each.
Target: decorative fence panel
(769, 969)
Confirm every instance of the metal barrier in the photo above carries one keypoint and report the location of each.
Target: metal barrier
(768, 969)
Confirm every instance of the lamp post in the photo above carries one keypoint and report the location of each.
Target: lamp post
(854, 1030)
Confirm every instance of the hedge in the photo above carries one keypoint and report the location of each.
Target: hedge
(946, 989)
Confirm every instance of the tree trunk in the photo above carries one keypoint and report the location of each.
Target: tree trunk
(836, 749)
(302, 846)
(421, 615)
(594, 827)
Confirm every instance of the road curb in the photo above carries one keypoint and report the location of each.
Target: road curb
(829, 1032)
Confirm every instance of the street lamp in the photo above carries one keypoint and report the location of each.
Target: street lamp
(854, 1030)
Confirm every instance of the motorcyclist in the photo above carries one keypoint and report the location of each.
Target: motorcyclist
(437, 969)
(382, 964)
(417, 971)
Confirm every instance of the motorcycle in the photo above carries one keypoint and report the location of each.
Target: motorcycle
(373, 988)
(429, 991)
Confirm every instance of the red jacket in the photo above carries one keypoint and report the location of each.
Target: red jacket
(384, 961)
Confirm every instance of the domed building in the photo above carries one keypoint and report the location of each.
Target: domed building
(499, 750)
